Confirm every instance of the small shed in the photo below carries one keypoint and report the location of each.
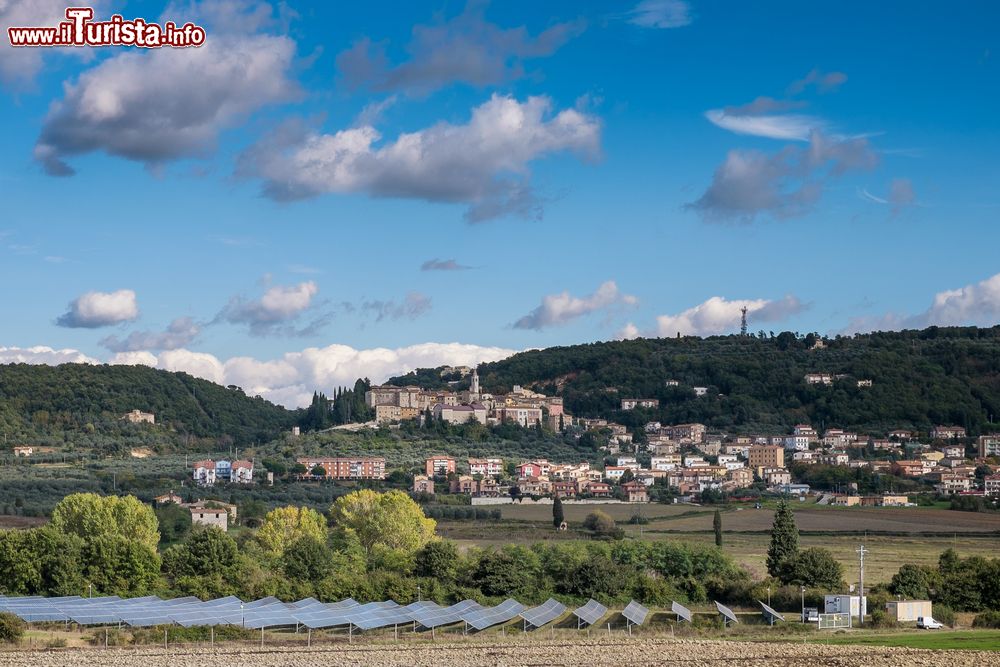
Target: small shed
(903, 611)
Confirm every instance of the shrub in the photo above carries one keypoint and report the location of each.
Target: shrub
(881, 619)
(944, 614)
(11, 628)
(987, 619)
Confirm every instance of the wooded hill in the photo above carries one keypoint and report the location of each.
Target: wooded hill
(756, 383)
(37, 399)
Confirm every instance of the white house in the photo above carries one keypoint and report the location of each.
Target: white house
(204, 472)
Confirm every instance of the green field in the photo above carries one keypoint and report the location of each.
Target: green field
(970, 640)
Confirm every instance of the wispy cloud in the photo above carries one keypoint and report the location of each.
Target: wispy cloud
(822, 82)
(443, 265)
(661, 14)
(783, 185)
(465, 49)
(414, 305)
(180, 333)
(788, 127)
(901, 196)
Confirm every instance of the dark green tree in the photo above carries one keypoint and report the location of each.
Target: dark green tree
(813, 568)
(717, 527)
(558, 516)
(784, 539)
(437, 560)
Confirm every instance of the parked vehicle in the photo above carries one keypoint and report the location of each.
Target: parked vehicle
(928, 623)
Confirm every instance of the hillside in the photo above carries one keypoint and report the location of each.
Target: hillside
(756, 383)
(37, 400)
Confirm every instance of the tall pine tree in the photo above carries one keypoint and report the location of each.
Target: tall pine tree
(784, 539)
(717, 526)
(558, 516)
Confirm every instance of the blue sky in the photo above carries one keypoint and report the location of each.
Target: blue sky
(324, 191)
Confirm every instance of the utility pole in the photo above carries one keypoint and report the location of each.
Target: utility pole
(861, 551)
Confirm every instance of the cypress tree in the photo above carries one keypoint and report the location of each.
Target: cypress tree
(557, 512)
(717, 525)
(784, 539)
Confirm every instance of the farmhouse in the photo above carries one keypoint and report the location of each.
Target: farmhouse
(902, 611)
(210, 516)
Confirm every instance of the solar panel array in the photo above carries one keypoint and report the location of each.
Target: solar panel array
(727, 613)
(310, 613)
(544, 613)
(635, 613)
(591, 612)
(682, 612)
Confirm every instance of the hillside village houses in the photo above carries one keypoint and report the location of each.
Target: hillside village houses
(685, 458)
(208, 472)
(521, 406)
(139, 417)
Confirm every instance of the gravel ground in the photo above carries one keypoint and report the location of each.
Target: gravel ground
(591, 653)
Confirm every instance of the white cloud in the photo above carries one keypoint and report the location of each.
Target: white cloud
(718, 315)
(270, 313)
(464, 49)
(100, 309)
(661, 14)
(790, 127)
(975, 304)
(562, 308)
(165, 104)
(291, 379)
(628, 332)
(20, 66)
(41, 354)
(483, 163)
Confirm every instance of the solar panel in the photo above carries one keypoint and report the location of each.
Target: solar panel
(263, 602)
(544, 613)
(591, 612)
(434, 618)
(770, 614)
(683, 613)
(490, 616)
(635, 613)
(727, 613)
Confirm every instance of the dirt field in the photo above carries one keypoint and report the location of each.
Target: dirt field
(531, 651)
(688, 518)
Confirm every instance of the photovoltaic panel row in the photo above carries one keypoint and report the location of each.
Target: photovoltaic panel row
(635, 613)
(727, 613)
(490, 616)
(435, 618)
(591, 612)
(682, 612)
(544, 613)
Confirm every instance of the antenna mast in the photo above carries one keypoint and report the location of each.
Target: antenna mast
(743, 321)
(861, 598)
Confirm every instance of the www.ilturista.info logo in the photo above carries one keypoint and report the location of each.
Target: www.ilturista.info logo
(80, 30)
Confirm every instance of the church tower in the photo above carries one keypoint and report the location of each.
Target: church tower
(474, 389)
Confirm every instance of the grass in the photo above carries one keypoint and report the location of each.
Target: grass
(970, 640)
